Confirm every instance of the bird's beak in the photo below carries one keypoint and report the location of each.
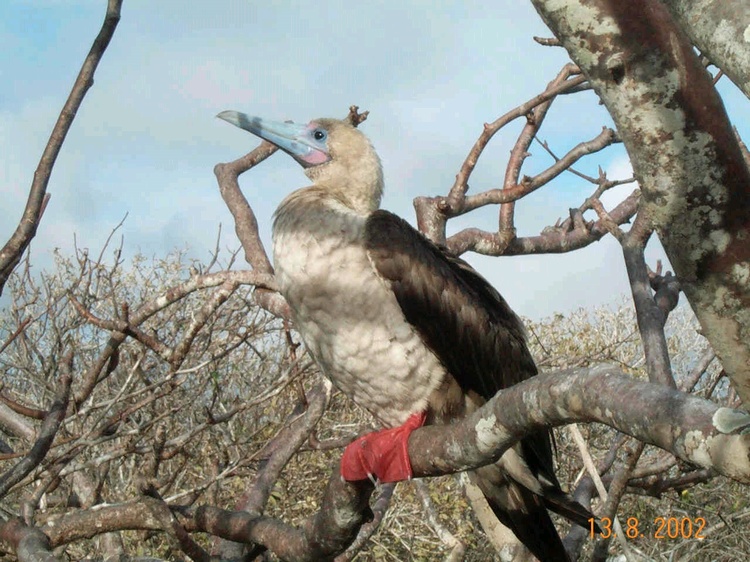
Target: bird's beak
(296, 140)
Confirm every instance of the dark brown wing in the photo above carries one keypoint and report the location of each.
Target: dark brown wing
(482, 344)
(460, 316)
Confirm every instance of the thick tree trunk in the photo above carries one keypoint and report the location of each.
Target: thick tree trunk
(721, 30)
(695, 184)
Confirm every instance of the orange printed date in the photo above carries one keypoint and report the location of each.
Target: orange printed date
(667, 528)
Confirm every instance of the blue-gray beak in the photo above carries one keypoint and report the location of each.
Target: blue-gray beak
(305, 143)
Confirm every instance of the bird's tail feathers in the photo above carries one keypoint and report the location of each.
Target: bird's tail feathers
(562, 504)
(524, 513)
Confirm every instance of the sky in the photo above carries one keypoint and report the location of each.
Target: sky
(146, 139)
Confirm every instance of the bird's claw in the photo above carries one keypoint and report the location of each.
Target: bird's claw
(381, 456)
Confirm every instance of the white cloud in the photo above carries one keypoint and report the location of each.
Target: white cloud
(145, 140)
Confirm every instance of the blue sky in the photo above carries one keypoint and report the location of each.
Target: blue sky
(146, 139)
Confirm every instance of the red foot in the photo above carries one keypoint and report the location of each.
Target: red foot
(382, 454)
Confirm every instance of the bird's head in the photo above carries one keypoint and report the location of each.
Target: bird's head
(336, 156)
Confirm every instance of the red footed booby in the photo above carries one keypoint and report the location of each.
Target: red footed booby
(408, 332)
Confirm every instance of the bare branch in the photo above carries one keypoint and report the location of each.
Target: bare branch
(15, 424)
(124, 327)
(355, 117)
(559, 86)
(701, 18)
(698, 370)
(121, 329)
(548, 41)
(612, 499)
(25, 411)
(29, 543)
(666, 289)
(688, 427)
(282, 448)
(11, 253)
(379, 508)
(651, 318)
(246, 225)
(449, 539)
(553, 240)
(684, 153)
(169, 523)
(43, 443)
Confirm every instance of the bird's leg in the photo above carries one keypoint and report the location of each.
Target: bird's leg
(383, 455)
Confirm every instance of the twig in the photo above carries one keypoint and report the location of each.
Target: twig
(38, 196)
(552, 240)
(588, 463)
(366, 531)
(698, 370)
(651, 317)
(578, 395)
(562, 83)
(547, 41)
(26, 411)
(283, 447)
(458, 549)
(43, 443)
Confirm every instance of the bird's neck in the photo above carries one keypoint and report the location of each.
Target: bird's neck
(357, 184)
(310, 229)
(362, 201)
(317, 210)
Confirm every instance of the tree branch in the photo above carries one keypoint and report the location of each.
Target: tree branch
(433, 212)
(689, 427)
(702, 20)
(552, 240)
(286, 444)
(696, 186)
(28, 543)
(651, 318)
(43, 443)
(11, 253)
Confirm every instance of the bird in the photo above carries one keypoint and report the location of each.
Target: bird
(408, 331)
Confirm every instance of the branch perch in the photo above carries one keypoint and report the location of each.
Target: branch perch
(691, 428)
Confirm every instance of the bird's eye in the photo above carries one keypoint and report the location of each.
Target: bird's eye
(319, 134)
